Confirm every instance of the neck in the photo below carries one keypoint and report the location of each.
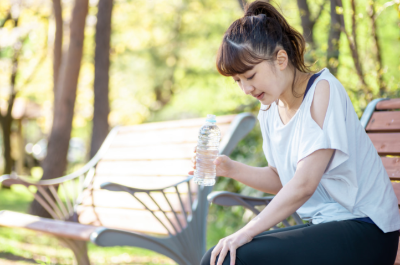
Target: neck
(287, 98)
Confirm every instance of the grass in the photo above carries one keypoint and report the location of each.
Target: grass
(28, 247)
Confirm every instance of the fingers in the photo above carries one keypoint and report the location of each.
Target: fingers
(193, 160)
(221, 250)
(220, 159)
(191, 172)
(222, 254)
(233, 255)
(215, 253)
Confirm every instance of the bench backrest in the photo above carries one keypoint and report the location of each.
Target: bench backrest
(146, 156)
(383, 128)
(382, 123)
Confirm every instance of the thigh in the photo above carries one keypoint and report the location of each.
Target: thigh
(207, 256)
(343, 242)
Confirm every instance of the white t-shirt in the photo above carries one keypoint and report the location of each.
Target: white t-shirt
(355, 183)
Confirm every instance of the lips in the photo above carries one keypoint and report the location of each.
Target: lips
(259, 96)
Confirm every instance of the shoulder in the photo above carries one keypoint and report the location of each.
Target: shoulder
(320, 102)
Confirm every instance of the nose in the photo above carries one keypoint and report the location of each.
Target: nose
(247, 89)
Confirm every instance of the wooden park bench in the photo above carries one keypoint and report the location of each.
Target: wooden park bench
(381, 120)
(134, 192)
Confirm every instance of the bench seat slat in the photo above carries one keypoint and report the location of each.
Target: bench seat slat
(392, 166)
(168, 151)
(386, 143)
(385, 121)
(388, 104)
(166, 125)
(145, 168)
(396, 188)
(125, 201)
(49, 226)
(136, 221)
(160, 137)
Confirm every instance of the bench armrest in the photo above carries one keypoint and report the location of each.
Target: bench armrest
(10, 180)
(225, 198)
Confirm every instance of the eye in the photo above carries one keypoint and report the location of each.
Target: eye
(236, 81)
(251, 77)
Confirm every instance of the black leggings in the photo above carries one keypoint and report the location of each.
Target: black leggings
(338, 243)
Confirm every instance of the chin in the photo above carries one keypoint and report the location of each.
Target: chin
(266, 101)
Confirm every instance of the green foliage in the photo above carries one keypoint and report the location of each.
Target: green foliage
(163, 67)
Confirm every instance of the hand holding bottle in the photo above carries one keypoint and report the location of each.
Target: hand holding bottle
(223, 165)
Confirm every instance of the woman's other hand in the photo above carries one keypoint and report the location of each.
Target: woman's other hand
(223, 165)
(230, 243)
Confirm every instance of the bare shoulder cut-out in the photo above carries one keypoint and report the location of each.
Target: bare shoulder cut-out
(320, 102)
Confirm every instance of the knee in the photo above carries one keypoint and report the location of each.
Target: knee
(207, 257)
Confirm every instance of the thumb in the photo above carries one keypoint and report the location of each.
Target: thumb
(218, 161)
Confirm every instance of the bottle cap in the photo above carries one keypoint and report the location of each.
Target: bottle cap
(211, 118)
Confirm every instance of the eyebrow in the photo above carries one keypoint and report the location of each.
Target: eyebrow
(243, 75)
(251, 75)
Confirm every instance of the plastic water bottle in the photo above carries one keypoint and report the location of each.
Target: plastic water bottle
(207, 152)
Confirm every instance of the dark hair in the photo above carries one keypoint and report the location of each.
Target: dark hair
(255, 37)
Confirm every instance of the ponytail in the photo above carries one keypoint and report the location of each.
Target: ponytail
(255, 37)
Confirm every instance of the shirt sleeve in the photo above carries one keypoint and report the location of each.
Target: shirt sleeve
(333, 134)
(268, 152)
(262, 117)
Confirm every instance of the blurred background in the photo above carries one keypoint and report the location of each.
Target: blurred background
(71, 70)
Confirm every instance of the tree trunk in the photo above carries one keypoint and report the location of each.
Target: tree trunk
(306, 22)
(101, 75)
(379, 66)
(58, 40)
(7, 119)
(6, 122)
(353, 42)
(334, 38)
(55, 162)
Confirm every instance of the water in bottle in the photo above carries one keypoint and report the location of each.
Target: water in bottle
(207, 152)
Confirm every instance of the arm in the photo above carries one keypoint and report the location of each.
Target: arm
(294, 194)
(265, 179)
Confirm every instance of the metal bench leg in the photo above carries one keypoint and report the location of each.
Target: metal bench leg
(79, 248)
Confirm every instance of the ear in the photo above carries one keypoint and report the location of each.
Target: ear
(282, 60)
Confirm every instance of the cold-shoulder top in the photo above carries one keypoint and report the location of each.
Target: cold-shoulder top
(355, 183)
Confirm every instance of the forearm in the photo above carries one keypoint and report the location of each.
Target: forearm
(286, 202)
(294, 194)
(260, 178)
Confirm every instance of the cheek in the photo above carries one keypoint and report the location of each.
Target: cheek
(270, 89)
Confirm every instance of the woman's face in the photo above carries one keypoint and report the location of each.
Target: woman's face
(266, 81)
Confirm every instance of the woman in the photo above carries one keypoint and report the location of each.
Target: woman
(321, 162)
